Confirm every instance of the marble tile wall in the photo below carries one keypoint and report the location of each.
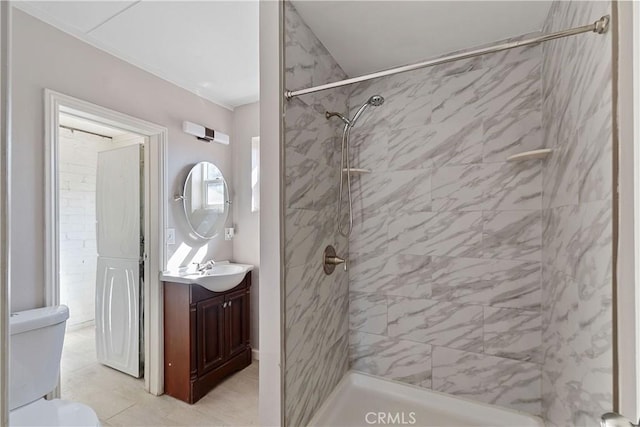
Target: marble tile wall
(445, 280)
(316, 305)
(577, 379)
(468, 275)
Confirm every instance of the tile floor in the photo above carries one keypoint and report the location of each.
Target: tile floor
(120, 400)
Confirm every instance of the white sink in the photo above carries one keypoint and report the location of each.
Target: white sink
(221, 277)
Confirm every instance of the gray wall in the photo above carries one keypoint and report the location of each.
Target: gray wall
(577, 219)
(246, 243)
(44, 57)
(445, 254)
(316, 305)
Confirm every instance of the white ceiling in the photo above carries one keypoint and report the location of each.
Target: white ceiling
(211, 47)
(368, 36)
(207, 47)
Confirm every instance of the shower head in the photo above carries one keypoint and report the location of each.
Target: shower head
(375, 100)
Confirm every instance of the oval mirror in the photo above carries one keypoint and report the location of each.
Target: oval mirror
(206, 200)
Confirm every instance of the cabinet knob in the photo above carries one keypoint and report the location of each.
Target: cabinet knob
(230, 303)
(224, 305)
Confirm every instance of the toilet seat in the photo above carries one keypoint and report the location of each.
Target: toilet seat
(54, 412)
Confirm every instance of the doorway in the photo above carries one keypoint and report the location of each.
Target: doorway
(135, 306)
(101, 231)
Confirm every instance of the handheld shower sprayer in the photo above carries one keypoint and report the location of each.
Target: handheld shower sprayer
(375, 100)
(345, 167)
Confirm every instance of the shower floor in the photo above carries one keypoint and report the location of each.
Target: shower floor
(364, 400)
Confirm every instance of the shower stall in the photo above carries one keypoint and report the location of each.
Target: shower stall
(471, 202)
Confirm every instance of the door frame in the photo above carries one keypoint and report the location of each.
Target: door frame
(626, 51)
(156, 215)
(5, 189)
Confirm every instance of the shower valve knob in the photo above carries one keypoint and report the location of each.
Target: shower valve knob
(330, 260)
(334, 260)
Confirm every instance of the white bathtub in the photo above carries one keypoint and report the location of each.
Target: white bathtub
(364, 400)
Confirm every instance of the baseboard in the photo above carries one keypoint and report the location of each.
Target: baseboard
(255, 354)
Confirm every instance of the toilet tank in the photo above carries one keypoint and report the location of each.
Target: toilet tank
(35, 350)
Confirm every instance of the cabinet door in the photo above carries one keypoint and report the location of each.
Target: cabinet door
(237, 321)
(211, 336)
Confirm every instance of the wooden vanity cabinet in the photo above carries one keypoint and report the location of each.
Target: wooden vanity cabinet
(206, 337)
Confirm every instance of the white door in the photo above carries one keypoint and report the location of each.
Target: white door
(118, 215)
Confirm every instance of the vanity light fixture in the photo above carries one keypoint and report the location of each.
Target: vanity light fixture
(205, 134)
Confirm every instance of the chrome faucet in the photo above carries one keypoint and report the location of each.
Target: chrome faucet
(207, 265)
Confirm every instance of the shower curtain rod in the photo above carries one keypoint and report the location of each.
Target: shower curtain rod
(600, 27)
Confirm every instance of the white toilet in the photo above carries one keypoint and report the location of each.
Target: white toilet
(36, 347)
